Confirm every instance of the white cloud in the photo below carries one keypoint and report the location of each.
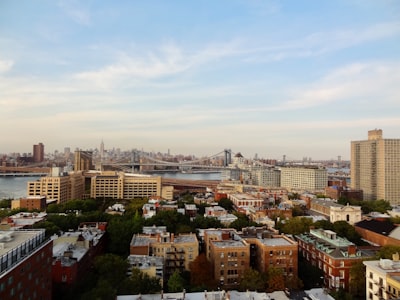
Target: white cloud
(76, 12)
(5, 65)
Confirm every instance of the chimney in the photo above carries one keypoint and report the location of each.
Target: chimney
(352, 249)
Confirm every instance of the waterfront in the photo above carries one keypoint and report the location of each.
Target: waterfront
(15, 187)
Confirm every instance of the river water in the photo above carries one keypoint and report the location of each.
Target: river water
(16, 187)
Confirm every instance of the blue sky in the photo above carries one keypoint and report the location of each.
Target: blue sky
(300, 78)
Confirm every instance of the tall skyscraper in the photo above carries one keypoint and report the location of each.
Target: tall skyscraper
(38, 153)
(375, 167)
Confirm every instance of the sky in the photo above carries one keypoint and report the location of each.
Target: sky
(260, 77)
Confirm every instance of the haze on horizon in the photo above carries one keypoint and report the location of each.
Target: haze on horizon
(300, 78)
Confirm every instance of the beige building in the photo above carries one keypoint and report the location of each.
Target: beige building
(58, 186)
(382, 278)
(335, 211)
(375, 167)
(304, 178)
(178, 251)
(119, 185)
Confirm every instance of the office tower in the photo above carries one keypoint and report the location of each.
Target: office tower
(375, 167)
(38, 153)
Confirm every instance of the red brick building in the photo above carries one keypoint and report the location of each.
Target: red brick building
(333, 255)
(25, 265)
(74, 252)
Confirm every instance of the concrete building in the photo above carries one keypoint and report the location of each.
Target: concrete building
(304, 178)
(383, 278)
(119, 185)
(333, 255)
(375, 167)
(25, 265)
(58, 186)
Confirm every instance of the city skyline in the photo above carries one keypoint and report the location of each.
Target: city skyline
(270, 78)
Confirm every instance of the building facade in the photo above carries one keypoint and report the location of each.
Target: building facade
(58, 186)
(331, 254)
(304, 178)
(382, 278)
(177, 251)
(375, 167)
(119, 185)
(30, 203)
(38, 153)
(25, 265)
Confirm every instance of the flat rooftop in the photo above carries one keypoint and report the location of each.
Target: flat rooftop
(12, 239)
(276, 242)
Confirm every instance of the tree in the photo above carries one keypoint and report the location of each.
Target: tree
(357, 280)
(226, 203)
(111, 268)
(324, 224)
(387, 251)
(275, 280)
(202, 271)
(176, 283)
(241, 222)
(344, 229)
(252, 280)
(201, 222)
(296, 225)
(142, 283)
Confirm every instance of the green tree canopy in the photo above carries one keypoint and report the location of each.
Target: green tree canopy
(176, 283)
(296, 225)
(226, 203)
(253, 280)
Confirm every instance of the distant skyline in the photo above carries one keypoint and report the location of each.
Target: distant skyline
(294, 78)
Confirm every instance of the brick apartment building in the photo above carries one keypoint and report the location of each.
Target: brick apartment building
(232, 253)
(25, 265)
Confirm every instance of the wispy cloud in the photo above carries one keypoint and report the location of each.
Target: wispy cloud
(75, 11)
(5, 65)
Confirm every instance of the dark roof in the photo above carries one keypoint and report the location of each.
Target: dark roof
(380, 227)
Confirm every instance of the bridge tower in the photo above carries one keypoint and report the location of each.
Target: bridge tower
(227, 157)
(135, 159)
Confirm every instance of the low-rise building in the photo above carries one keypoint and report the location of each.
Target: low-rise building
(30, 203)
(382, 278)
(74, 252)
(178, 251)
(335, 211)
(332, 254)
(150, 265)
